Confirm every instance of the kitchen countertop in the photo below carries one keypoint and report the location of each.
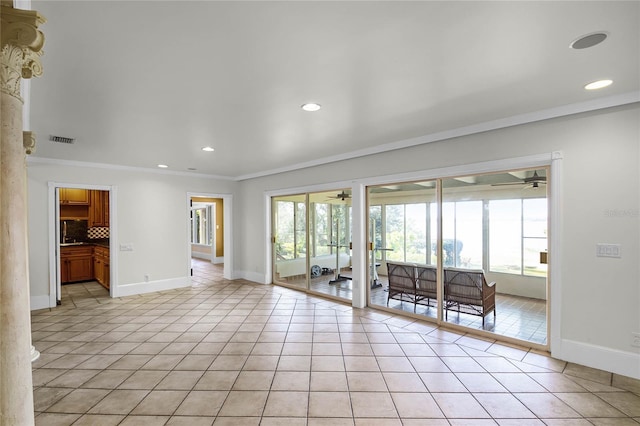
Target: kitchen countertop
(100, 243)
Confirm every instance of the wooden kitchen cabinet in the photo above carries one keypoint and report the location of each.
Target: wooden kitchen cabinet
(98, 268)
(76, 264)
(96, 215)
(99, 209)
(106, 273)
(101, 265)
(105, 207)
(74, 196)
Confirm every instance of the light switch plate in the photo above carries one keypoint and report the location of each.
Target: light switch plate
(608, 250)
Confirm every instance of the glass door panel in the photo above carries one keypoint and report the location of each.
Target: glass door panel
(494, 231)
(402, 243)
(290, 241)
(330, 243)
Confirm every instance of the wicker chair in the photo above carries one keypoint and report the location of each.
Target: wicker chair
(426, 284)
(402, 282)
(468, 289)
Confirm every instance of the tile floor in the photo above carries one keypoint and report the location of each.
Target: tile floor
(236, 353)
(518, 317)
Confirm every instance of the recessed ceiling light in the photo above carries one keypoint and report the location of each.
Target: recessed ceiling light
(162, 166)
(588, 40)
(311, 107)
(208, 149)
(598, 84)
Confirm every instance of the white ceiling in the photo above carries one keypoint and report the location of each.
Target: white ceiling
(143, 83)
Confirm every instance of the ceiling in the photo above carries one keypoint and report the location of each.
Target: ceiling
(145, 83)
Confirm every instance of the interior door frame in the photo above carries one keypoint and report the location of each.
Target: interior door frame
(55, 282)
(211, 228)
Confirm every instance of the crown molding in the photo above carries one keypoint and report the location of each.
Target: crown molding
(58, 162)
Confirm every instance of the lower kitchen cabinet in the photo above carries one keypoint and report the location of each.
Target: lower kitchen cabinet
(76, 263)
(101, 265)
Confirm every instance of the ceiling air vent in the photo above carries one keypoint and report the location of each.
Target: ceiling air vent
(61, 139)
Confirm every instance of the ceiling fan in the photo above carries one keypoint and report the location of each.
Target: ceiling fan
(534, 181)
(341, 196)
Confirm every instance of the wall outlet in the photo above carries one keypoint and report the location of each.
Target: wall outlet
(635, 340)
(126, 247)
(146, 278)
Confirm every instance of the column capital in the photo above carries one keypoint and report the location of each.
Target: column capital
(22, 44)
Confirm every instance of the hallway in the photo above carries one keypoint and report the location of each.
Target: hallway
(233, 352)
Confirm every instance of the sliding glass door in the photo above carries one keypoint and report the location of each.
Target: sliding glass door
(491, 241)
(290, 240)
(312, 242)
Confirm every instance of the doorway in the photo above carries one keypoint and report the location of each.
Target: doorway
(209, 236)
(82, 225)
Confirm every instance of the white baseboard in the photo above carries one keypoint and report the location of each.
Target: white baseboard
(40, 302)
(207, 256)
(601, 358)
(255, 277)
(204, 256)
(151, 286)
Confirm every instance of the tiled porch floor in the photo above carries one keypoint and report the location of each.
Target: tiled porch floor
(224, 352)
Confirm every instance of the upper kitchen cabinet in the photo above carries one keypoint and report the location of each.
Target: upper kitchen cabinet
(99, 209)
(105, 207)
(74, 196)
(74, 204)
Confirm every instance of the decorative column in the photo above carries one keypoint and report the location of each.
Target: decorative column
(21, 45)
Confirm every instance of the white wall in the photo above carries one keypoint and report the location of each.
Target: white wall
(599, 297)
(151, 214)
(519, 285)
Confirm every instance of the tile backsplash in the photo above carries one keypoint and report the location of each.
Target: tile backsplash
(98, 233)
